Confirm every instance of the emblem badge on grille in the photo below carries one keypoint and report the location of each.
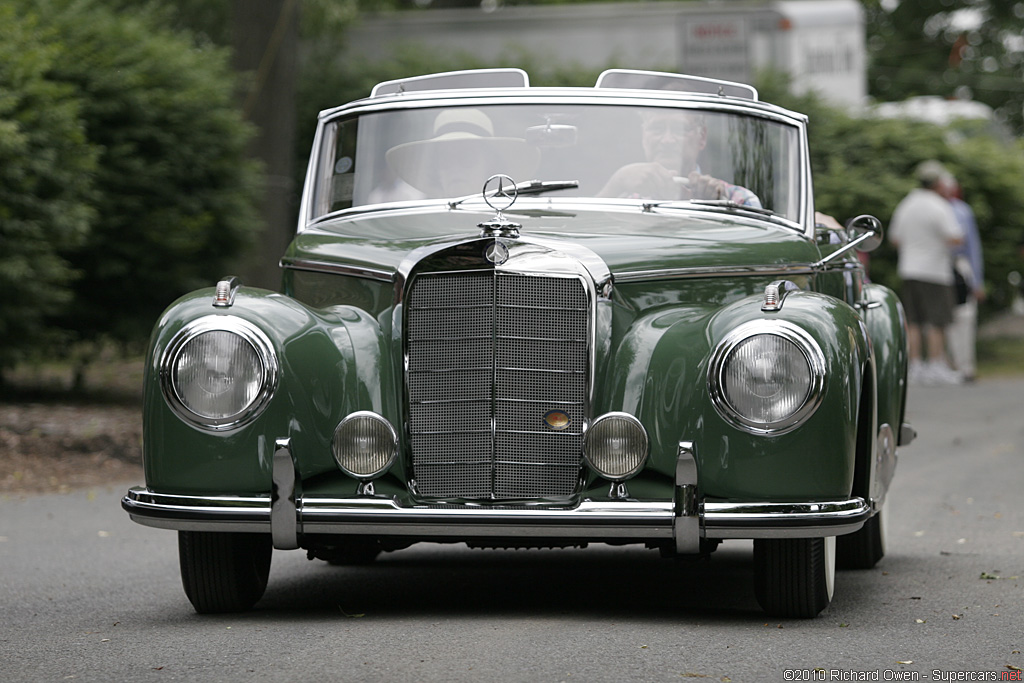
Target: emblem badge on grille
(496, 253)
(556, 419)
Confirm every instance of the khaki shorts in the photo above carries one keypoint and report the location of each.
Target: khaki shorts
(927, 303)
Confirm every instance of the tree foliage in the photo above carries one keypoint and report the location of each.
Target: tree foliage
(46, 171)
(951, 48)
(173, 189)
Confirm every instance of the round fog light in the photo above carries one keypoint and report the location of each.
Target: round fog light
(615, 446)
(364, 445)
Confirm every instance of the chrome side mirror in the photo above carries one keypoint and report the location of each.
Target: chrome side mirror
(865, 233)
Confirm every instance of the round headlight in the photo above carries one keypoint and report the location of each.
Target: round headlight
(615, 446)
(767, 377)
(218, 372)
(364, 445)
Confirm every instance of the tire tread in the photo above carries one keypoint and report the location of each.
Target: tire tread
(223, 572)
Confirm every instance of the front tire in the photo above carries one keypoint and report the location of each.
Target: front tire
(794, 577)
(224, 572)
(865, 547)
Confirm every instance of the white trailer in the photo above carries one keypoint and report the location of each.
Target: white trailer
(819, 43)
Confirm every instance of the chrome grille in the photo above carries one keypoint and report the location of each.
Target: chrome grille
(489, 354)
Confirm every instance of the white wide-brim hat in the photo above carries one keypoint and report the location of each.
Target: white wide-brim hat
(458, 133)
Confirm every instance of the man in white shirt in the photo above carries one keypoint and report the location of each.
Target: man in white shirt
(924, 230)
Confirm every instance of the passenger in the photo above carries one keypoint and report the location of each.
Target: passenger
(461, 156)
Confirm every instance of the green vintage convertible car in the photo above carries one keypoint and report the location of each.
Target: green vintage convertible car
(538, 317)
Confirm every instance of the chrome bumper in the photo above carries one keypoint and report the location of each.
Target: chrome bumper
(287, 515)
(612, 520)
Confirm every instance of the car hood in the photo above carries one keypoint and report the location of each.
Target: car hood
(627, 241)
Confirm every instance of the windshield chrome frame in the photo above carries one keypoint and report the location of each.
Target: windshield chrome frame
(804, 222)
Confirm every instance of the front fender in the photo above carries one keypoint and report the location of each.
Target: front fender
(663, 378)
(331, 365)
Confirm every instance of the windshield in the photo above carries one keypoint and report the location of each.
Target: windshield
(614, 151)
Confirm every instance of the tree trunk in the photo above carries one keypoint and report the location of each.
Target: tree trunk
(265, 36)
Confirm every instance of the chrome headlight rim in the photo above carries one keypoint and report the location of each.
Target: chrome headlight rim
(393, 435)
(590, 431)
(790, 332)
(250, 334)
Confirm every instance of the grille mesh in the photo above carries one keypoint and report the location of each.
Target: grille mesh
(489, 354)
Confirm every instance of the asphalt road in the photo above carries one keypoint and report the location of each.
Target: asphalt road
(87, 595)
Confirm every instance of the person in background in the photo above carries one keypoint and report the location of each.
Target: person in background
(924, 230)
(970, 285)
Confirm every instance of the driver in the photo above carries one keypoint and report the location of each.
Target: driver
(672, 142)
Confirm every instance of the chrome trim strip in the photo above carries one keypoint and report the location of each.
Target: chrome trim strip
(704, 272)
(566, 96)
(589, 519)
(781, 520)
(385, 517)
(196, 512)
(563, 206)
(338, 269)
(620, 277)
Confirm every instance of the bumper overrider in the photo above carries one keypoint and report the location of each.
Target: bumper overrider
(287, 515)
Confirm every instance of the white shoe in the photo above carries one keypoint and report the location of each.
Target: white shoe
(938, 372)
(916, 373)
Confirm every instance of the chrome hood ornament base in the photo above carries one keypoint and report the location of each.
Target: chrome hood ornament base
(500, 193)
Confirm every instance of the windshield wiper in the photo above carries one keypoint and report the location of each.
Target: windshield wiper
(724, 203)
(527, 187)
(541, 186)
(730, 204)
